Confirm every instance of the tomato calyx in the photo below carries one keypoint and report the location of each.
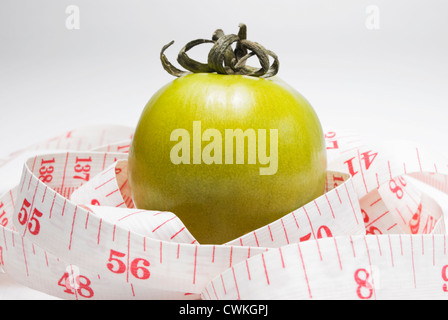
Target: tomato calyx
(222, 58)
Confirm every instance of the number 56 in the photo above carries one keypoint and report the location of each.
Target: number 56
(116, 265)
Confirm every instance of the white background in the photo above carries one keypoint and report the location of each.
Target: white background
(387, 83)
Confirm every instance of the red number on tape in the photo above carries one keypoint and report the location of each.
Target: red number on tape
(337, 181)
(140, 272)
(429, 226)
(46, 172)
(414, 223)
(373, 230)
(3, 221)
(23, 213)
(83, 168)
(82, 287)
(65, 282)
(365, 216)
(395, 188)
(363, 284)
(116, 265)
(33, 225)
(334, 143)
(366, 157)
(445, 278)
(120, 266)
(326, 230)
(124, 149)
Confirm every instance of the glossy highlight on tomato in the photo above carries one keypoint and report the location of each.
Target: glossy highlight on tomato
(219, 202)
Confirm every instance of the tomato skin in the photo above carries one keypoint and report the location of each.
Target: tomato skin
(220, 202)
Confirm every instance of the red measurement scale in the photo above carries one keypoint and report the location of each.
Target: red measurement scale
(69, 228)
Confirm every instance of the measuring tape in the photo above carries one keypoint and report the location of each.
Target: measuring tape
(69, 228)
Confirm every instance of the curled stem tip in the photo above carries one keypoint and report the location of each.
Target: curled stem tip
(222, 58)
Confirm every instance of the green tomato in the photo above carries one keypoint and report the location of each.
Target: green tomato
(227, 154)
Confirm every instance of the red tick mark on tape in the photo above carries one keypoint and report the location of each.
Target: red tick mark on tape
(102, 185)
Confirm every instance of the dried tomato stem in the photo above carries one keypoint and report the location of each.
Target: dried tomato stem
(222, 58)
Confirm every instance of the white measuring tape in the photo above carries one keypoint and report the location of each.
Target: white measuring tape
(69, 228)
